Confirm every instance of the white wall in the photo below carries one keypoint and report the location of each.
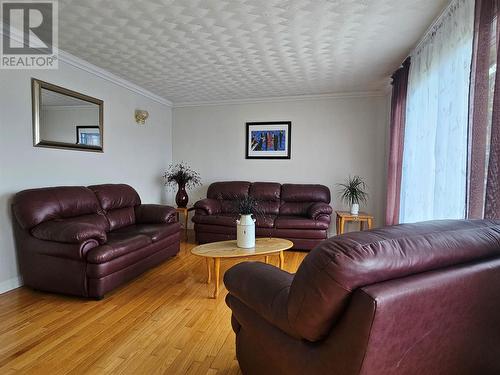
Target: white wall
(331, 139)
(133, 154)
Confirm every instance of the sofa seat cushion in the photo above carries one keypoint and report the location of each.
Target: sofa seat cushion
(118, 245)
(299, 222)
(130, 260)
(156, 232)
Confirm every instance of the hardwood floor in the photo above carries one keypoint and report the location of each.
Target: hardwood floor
(161, 323)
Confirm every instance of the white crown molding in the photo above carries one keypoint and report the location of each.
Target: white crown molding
(104, 74)
(278, 99)
(95, 70)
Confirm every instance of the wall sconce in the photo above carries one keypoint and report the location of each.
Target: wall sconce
(141, 116)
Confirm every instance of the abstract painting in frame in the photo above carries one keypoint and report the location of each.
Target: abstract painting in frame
(268, 140)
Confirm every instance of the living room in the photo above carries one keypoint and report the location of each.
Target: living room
(226, 187)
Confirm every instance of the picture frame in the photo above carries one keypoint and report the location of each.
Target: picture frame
(88, 135)
(268, 140)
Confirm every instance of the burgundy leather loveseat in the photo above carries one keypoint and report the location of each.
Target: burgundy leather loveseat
(86, 241)
(412, 299)
(300, 213)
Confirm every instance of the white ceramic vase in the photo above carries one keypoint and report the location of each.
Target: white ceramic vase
(245, 232)
(355, 208)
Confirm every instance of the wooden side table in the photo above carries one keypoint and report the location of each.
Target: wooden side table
(345, 217)
(184, 211)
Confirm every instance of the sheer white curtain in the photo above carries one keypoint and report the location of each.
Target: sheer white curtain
(433, 184)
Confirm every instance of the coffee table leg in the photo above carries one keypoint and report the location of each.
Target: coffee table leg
(266, 259)
(282, 259)
(216, 276)
(209, 270)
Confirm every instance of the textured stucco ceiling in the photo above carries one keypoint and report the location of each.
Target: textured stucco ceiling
(202, 50)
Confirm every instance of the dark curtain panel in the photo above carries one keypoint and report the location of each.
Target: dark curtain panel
(479, 112)
(484, 134)
(397, 130)
(492, 199)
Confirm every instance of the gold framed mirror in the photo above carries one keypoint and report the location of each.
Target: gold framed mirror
(66, 119)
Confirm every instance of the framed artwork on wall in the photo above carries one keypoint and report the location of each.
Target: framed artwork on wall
(268, 140)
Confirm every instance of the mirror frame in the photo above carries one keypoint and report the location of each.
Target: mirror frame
(36, 93)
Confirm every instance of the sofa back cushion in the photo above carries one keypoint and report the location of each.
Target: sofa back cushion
(297, 198)
(118, 201)
(227, 193)
(34, 206)
(268, 196)
(333, 270)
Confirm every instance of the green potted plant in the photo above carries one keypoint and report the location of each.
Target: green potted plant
(183, 176)
(353, 192)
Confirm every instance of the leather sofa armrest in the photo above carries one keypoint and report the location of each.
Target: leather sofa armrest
(208, 206)
(316, 210)
(68, 232)
(65, 250)
(264, 289)
(155, 214)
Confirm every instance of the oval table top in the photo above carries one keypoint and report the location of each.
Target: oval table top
(228, 249)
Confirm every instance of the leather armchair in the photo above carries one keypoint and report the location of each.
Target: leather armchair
(411, 299)
(87, 241)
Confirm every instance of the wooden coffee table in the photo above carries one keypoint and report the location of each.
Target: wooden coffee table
(228, 249)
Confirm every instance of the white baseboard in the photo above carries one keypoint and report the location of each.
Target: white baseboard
(10, 284)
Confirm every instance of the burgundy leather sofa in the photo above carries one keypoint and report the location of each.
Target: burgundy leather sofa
(411, 299)
(86, 241)
(300, 213)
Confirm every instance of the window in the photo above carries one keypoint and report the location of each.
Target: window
(434, 178)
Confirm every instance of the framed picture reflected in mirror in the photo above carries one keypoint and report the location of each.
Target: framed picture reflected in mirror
(88, 135)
